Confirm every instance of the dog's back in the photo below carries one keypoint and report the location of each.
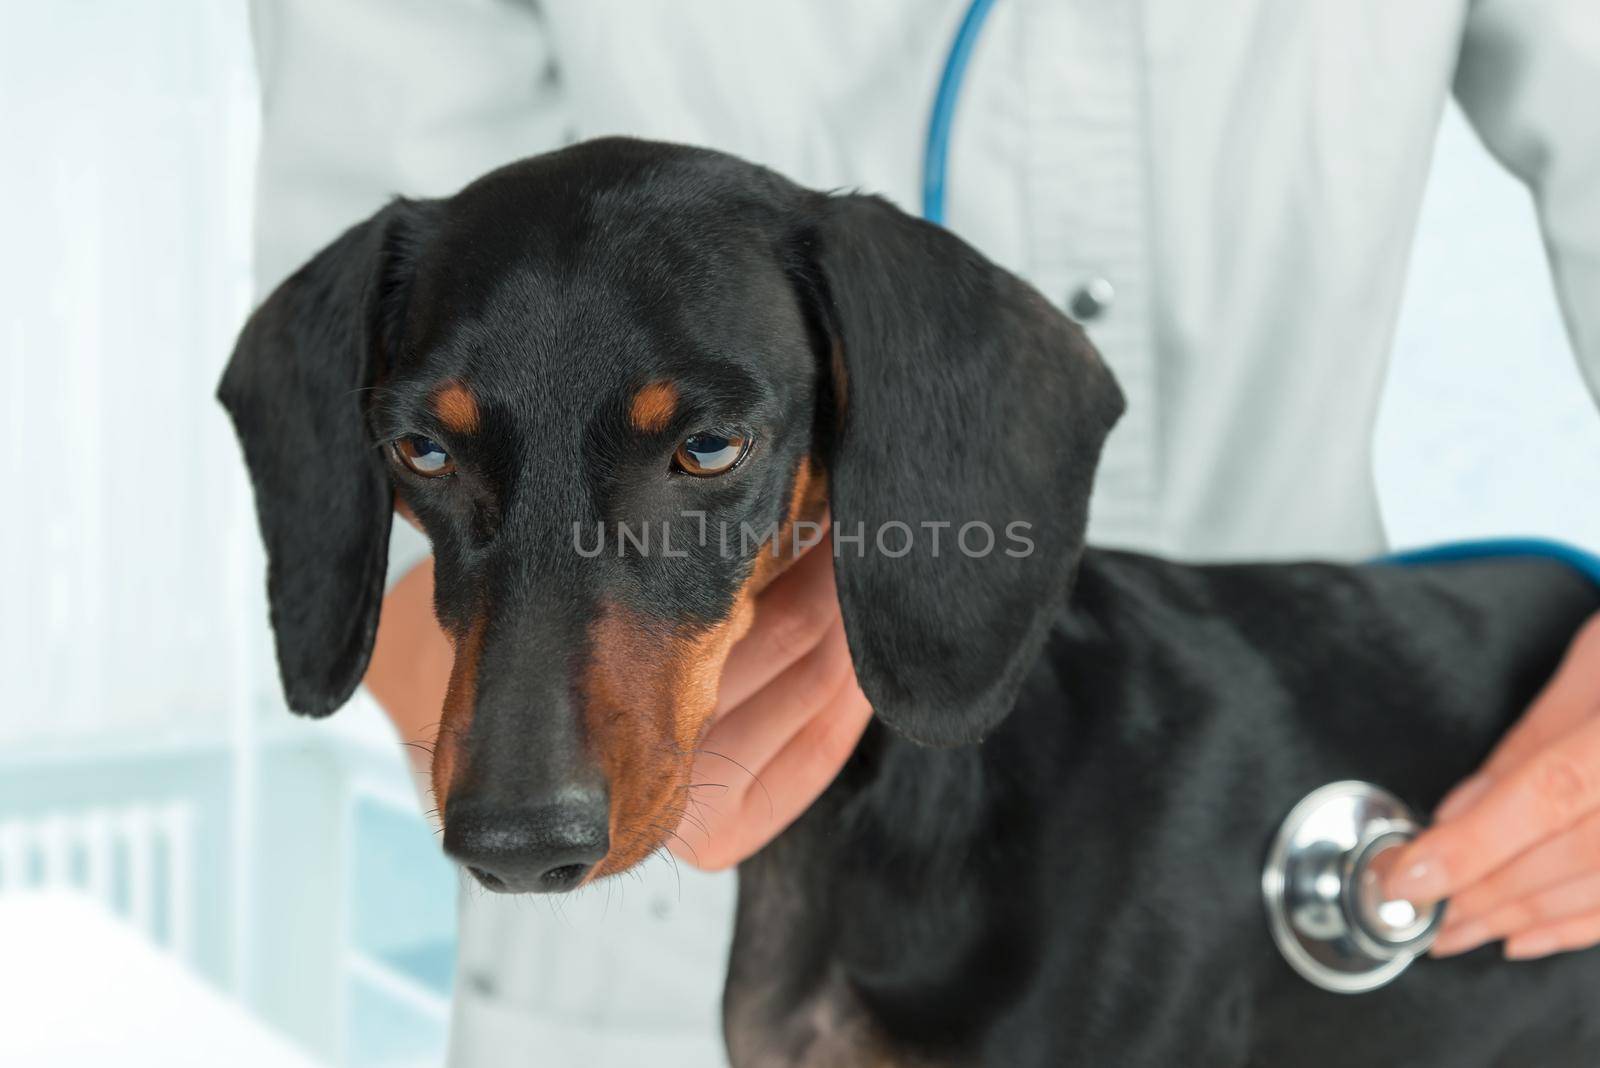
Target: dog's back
(1083, 888)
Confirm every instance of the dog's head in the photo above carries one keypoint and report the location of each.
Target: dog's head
(609, 381)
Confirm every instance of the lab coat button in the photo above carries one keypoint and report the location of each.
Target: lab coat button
(1091, 300)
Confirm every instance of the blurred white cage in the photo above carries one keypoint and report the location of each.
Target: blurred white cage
(145, 757)
(136, 860)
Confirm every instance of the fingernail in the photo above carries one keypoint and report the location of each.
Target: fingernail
(1461, 798)
(1460, 939)
(1531, 946)
(1421, 882)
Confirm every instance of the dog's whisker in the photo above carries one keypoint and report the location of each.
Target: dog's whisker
(677, 873)
(697, 823)
(754, 777)
(692, 852)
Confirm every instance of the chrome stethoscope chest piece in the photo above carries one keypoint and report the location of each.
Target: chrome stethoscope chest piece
(1321, 885)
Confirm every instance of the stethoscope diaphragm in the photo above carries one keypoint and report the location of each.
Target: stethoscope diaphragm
(1321, 887)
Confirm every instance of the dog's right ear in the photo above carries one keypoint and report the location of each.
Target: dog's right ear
(296, 389)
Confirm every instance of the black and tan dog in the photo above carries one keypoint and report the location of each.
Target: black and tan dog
(630, 333)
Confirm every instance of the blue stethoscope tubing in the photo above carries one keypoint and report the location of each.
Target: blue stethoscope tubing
(935, 165)
(1581, 560)
(936, 151)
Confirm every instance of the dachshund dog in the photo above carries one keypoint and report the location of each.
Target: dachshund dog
(1047, 848)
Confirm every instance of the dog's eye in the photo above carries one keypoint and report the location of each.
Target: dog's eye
(711, 452)
(423, 455)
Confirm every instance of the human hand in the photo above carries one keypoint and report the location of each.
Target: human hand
(1516, 847)
(788, 716)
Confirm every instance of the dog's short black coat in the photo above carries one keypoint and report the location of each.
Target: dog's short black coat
(1047, 848)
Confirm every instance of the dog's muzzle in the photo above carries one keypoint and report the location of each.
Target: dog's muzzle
(1321, 886)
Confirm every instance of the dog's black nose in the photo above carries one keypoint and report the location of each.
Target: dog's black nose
(540, 848)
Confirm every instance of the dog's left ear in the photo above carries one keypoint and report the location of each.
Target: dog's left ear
(296, 388)
(967, 410)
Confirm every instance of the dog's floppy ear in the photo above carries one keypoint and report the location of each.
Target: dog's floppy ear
(961, 397)
(296, 388)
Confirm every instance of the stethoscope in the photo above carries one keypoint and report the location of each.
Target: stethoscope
(1320, 881)
(936, 150)
(1321, 886)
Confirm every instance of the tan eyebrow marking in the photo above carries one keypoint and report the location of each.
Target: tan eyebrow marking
(653, 407)
(456, 408)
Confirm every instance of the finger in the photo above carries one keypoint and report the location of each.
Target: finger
(1570, 900)
(733, 828)
(1578, 933)
(731, 761)
(1571, 696)
(1466, 794)
(813, 758)
(797, 776)
(753, 733)
(792, 616)
(1545, 794)
(1567, 856)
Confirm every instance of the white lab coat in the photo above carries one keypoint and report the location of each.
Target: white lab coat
(1245, 174)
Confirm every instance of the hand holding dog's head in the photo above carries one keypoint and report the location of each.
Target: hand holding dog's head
(632, 334)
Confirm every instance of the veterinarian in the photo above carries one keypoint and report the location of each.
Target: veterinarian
(1224, 194)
